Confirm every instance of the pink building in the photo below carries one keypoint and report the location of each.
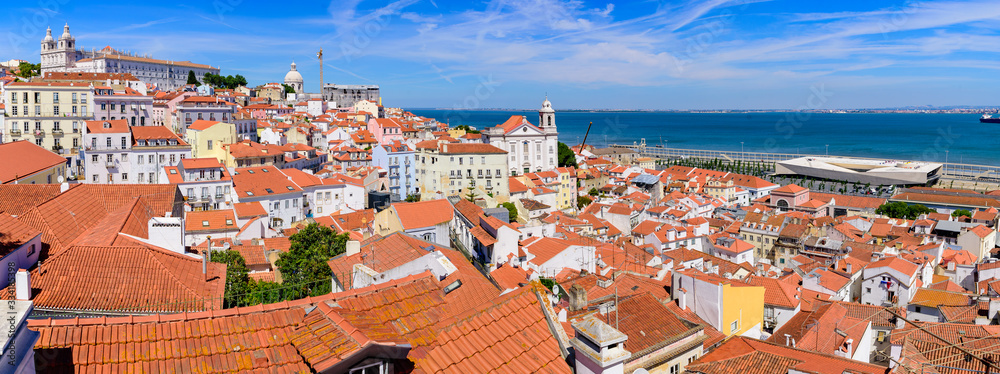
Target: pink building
(385, 130)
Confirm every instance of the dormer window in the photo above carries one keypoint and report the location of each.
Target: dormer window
(204, 223)
(107, 125)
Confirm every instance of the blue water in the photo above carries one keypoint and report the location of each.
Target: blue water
(907, 136)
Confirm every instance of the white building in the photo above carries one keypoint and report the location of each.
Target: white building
(63, 56)
(127, 104)
(530, 148)
(549, 256)
(118, 153)
(280, 197)
(204, 182)
(891, 281)
(338, 194)
(455, 169)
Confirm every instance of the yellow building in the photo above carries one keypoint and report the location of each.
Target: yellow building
(272, 91)
(566, 195)
(731, 306)
(207, 138)
(49, 114)
(35, 165)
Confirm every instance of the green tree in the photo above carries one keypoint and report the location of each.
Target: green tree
(899, 209)
(238, 283)
(192, 79)
(961, 212)
(582, 201)
(471, 196)
(304, 265)
(511, 211)
(28, 70)
(288, 89)
(412, 198)
(467, 129)
(593, 192)
(566, 156)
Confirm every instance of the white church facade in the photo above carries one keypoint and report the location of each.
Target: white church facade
(62, 56)
(530, 148)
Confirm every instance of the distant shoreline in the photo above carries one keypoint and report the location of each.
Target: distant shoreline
(735, 111)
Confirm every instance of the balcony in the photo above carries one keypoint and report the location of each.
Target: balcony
(38, 132)
(15, 132)
(58, 132)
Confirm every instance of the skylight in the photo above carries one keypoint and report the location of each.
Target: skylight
(204, 223)
(249, 193)
(268, 190)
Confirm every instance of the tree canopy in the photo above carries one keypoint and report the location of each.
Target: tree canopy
(566, 156)
(226, 82)
(582, 201)
(961, 212)
(304, 265)
(192, 79)
(288, 89)
(467, 129)
(900, 209)
(28, 70)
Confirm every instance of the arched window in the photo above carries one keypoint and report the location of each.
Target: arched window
(782, 203)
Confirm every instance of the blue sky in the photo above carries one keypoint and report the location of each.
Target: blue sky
(583, 54)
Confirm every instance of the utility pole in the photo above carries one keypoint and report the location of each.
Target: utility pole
(320, 56)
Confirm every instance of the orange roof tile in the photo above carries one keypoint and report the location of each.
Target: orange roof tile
(424, 213)
(30, 158)
(210, 220)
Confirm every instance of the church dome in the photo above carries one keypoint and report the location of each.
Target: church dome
(48, 35)
(546, 106)
(293, 76)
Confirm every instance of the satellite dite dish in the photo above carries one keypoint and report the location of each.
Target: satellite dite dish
(555, 289)
(61, 179)
(640, 371)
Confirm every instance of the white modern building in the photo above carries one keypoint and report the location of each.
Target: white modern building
(530, 148)
(126, 104)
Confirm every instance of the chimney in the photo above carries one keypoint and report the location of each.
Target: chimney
(850, 346)
(353, 247)
(22, 283)
(682, 301)
(577, 298)
(788, 339)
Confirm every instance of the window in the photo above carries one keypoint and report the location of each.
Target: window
(93, 158)
(124, 176)
(734, 327)
(139, 161)
(868, 290)
(916, 309)
(209, 145)
(675, 369)
(94, 179)
(173, 159)
(123, 142)
(141, 176)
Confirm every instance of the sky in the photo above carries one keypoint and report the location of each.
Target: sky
(650, 54)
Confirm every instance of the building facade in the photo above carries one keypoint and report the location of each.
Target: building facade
(530, 148)
(63, 56)
(345, 96)
(118, 153)
(51, 115)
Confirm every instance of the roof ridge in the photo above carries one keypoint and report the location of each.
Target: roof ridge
(154, 250)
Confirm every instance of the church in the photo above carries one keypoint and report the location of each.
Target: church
(530, 148)
(63, 56)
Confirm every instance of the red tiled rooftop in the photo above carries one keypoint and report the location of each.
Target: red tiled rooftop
(30, 158)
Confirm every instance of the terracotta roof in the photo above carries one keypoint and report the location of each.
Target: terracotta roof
(242, 339)
(16, 199)
(791, 188)
(249, 210)
(154, 133)
(896, 263)
(777, 293)
(509, 277)
(933, 298)
(119, 126)
(467, 148)
(982, 231)
(13, 234)
(129, 279)
(648, 323)
(202, 124)
(475, 340)
(424, 213)
(30, 160)
(751, 356)
(259, 181)
(210, 220)
(545, 248)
